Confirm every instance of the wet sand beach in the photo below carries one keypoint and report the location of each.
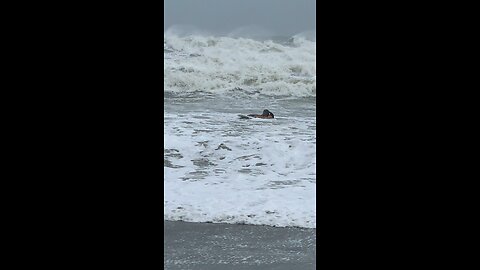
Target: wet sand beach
(208, 246)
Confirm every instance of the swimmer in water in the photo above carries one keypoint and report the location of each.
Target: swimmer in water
(266, 115)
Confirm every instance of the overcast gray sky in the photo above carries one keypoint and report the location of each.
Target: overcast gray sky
(279, 17)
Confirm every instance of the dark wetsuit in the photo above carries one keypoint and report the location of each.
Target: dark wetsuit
(265, 114)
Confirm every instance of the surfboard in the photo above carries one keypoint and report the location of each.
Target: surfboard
(244, 116)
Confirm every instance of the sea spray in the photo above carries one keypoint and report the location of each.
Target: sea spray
(223, 64)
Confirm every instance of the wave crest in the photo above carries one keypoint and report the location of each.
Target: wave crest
(285, 67)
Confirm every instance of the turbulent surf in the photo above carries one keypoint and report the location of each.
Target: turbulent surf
(222, 168)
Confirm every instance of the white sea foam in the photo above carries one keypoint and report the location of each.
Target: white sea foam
(220, 64)
(219, 168)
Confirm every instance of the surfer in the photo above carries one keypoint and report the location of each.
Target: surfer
(266, 115)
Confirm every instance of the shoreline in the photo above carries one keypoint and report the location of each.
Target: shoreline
(189, 245)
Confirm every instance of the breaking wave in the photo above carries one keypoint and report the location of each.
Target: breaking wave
(226, 65)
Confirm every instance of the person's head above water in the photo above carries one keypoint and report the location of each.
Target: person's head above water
(265, 114)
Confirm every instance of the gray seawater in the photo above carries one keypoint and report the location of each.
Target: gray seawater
(219, 118)
(221, 168)
(253, 171)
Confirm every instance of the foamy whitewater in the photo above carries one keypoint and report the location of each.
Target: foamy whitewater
(223, 169)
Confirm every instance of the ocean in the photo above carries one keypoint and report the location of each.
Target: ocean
(221, 168)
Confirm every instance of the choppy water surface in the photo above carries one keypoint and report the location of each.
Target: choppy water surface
(220, 168)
